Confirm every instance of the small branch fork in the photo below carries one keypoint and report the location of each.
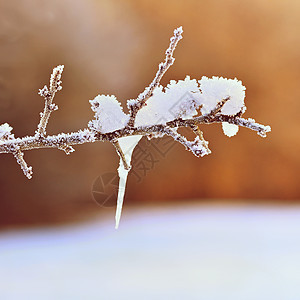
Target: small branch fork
(65, 141)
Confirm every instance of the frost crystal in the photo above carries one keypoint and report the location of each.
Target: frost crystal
(198, 147)
(178, 100)
(5, 131)
(215, 89)
(109, 115)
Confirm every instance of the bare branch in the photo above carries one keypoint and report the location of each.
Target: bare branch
(59, 141)
(262, 130)
(198, 146)
(48, 95)
(199, 133)
(136, 104)
(19, 155)
(86, 136)
(64, 141)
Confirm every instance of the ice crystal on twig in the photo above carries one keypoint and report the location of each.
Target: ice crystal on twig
(5, 132)
(19, 155)
(156, 112)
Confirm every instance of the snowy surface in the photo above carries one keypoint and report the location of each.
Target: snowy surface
(192, 252)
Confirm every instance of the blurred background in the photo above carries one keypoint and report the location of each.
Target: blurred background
(114, 47)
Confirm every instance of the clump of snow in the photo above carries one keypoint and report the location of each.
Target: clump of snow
(230, 129)
(127, 145)
(181, 99)
(5, 131)
(109, 115)
(178, 100)
(215, 89)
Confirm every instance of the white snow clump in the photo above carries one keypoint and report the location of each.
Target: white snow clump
(178, 100)
(182, 99)
(109, 115)
(215, 89)
(5, 131)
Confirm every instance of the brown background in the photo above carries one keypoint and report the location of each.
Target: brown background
(114, 47)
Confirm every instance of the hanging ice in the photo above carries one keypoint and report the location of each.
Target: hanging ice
(127, 145)
(109, 116)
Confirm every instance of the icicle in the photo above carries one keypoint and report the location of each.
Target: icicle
(127, 145)
(123, 173)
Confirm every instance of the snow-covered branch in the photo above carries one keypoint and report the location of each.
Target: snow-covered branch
(156, 112)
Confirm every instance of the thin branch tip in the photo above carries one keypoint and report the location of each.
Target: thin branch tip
(135, 105)
(178, 30)
(19, 156)
(48, 95)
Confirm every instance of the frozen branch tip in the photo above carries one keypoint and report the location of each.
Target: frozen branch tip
(186, 103)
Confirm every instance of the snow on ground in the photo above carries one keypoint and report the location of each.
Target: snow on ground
(188, 252)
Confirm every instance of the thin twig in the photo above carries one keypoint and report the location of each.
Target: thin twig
(19, 155)
(48, 95)
(86, 136)
(219, 106)
(198, 147)
(121, 154)
(137, 104)
(199, 133)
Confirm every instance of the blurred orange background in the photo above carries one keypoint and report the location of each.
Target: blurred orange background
(114, 47)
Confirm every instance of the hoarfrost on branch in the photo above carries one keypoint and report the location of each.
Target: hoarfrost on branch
(156, 112)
